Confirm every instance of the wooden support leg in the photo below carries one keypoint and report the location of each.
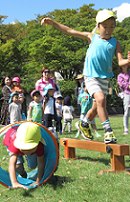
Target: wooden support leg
(69, 151)
(117, 163)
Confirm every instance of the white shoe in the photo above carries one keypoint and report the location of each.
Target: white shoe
(109, 137)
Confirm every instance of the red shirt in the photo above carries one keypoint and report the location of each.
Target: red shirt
(9, 139)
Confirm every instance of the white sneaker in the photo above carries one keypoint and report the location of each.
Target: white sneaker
(126, 132)
(109, 137)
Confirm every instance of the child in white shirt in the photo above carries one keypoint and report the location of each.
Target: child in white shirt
(14, 108)
(68, 113)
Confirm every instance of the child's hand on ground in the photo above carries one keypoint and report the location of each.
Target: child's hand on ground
(17, 185)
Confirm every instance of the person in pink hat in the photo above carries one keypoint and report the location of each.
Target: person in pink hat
(16, 86)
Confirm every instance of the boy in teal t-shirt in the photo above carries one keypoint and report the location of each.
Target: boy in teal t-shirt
(86, 102)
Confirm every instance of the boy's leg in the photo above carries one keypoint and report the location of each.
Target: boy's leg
(126, 102)
(60, 125)
(20, 167)
(103, 115)
(84, 125)
(64, 125)
(48, 120)
(32, 161)
(57, 124)
(32, 164)
(69, 125)
(93, 125)
(98, 88)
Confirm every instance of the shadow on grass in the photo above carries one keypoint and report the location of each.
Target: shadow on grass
(105, 161)
(59, 181)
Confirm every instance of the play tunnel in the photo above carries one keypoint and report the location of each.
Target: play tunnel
(50, 158)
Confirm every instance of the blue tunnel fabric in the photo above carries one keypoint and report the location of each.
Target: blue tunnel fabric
(50, 158)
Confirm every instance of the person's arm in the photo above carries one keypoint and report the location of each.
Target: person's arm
(121, 61)
(12, 172)
(29, 113)
(42, 113)
(73, 114)
(59, 111)
(40, 169)
(6, 93)
(67, 30)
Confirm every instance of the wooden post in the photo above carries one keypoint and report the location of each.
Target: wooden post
(69, 151)
(117, 162)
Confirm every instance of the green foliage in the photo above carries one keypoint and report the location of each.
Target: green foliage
(67, 89)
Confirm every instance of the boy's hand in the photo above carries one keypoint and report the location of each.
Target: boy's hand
(46, 21)
(16, 185)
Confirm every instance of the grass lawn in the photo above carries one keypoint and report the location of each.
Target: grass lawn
(78, 180)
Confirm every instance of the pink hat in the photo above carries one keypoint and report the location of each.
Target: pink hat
(35, 91)
(16, 79)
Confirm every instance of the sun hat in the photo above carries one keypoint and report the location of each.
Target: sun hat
(28, 136)
(104, 15)
(80, 76)
(59, 96)
(35, 91)
(11, 96)
(47, 87)
(21, 95)
(16, 79)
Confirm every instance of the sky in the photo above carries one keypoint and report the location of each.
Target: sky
(26, 10)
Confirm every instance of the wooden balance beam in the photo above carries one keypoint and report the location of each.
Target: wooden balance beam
(117, 151)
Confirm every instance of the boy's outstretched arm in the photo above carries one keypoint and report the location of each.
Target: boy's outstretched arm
(67, 30)
(12, 172)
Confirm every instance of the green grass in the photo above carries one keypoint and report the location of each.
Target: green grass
(78, 180)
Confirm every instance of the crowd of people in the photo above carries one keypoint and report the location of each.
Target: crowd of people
(91, 91)
(47, 103)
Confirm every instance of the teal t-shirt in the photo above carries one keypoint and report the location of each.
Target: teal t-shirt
(99, 56)
(86, 102)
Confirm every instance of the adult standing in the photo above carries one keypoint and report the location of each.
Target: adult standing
(78, 80)
(45, 80)
(6, 91)
(123, 80)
